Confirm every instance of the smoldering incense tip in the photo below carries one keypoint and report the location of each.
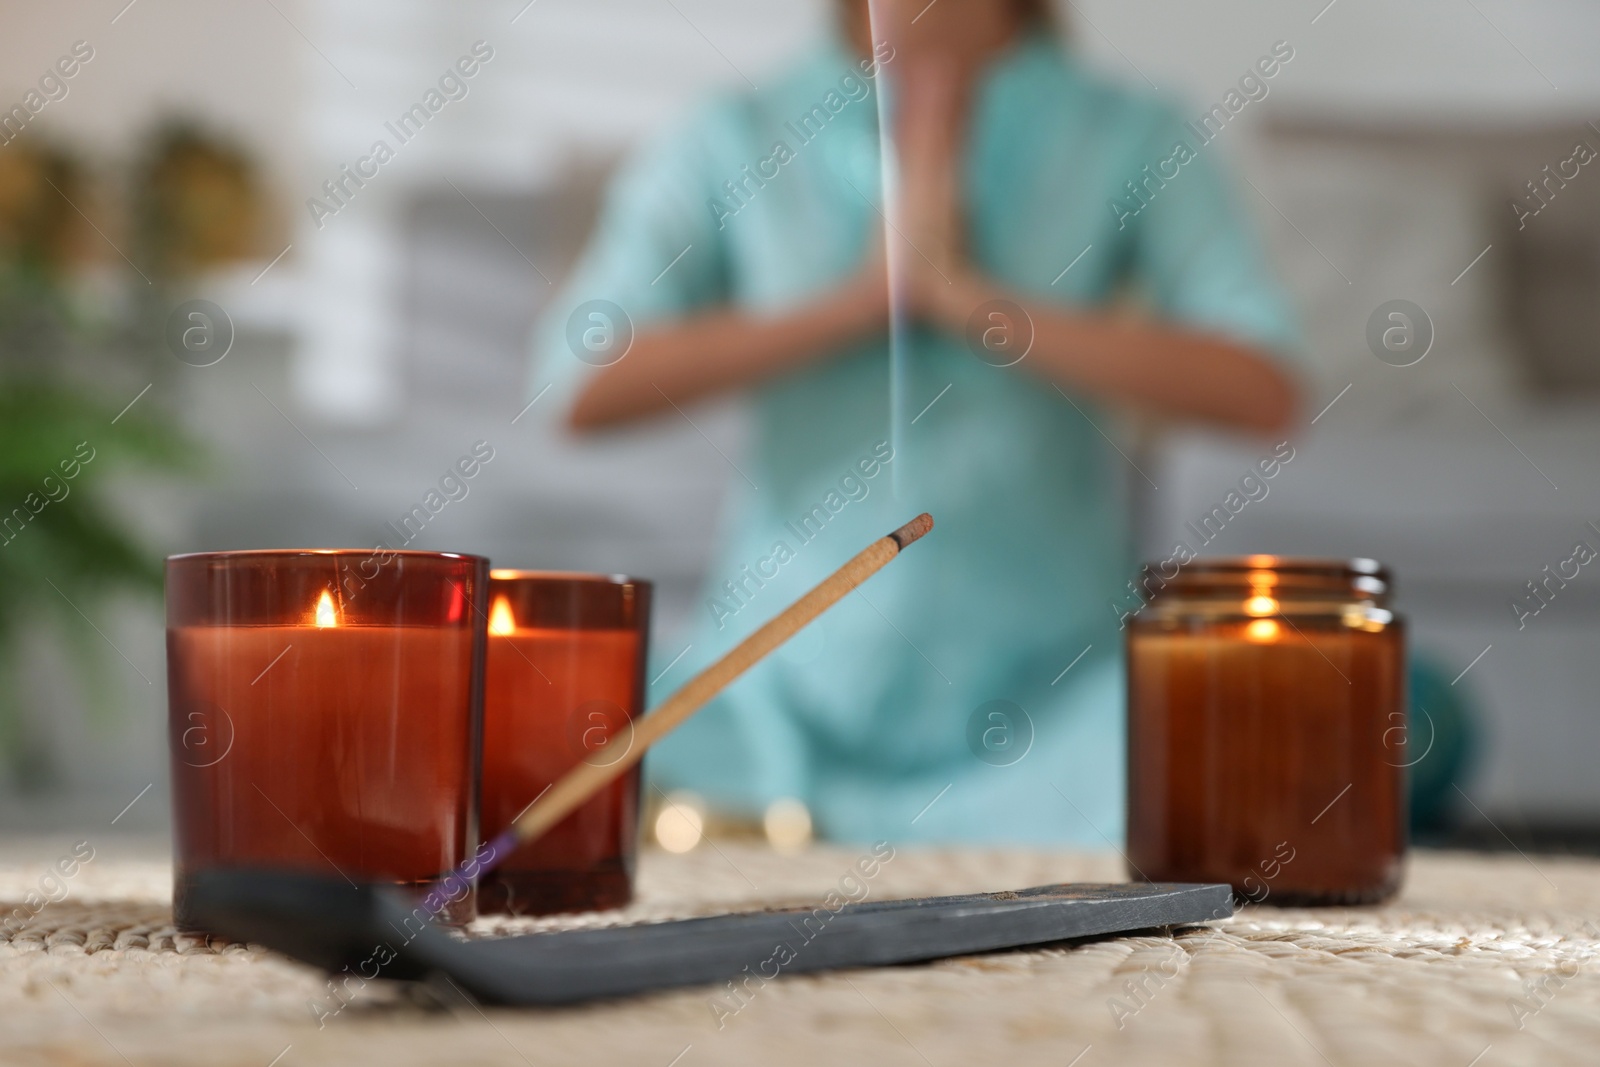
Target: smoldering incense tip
(913, 530)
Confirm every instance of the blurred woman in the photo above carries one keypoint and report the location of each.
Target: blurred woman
(972, 690)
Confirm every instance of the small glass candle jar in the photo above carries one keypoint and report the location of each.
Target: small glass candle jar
(324, 714)
(1267, 729)
(565, 681)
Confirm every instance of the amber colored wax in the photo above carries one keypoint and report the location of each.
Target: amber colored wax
(553, 697)
(1274, 765)
(351, 755)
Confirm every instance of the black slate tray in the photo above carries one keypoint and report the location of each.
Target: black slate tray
(371, 932)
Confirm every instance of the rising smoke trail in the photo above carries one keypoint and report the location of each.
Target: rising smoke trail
(894, 252)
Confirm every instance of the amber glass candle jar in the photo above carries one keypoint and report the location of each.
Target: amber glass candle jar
(324, 710)
(565, 681)
(1267, 729)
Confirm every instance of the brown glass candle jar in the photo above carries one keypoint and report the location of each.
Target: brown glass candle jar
(324, 710)
(565, 680)
(1266, 729)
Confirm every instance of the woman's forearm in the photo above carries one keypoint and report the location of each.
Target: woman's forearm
(1170, 370)
(726, 349)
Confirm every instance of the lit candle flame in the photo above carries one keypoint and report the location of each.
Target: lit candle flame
(501, 621)
(326, 615)
(1262, 631)
(1260, 605)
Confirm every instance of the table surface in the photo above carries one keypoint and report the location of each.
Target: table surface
(1482, 960)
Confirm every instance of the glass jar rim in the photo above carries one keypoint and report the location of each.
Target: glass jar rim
(298, 553)
(1308, 566)
(361, 587)
(567, 600)
(1294, 578)
(519, 574)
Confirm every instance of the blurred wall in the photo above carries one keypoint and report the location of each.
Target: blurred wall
(233, 64)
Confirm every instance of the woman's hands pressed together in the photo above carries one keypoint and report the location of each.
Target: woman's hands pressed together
(927, 219)
(1134, 361)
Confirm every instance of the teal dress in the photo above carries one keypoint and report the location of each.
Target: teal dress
(973, 689)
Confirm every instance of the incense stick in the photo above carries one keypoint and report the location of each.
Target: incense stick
(581, 783)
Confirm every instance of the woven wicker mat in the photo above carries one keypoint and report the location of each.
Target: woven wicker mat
(1482, 961)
